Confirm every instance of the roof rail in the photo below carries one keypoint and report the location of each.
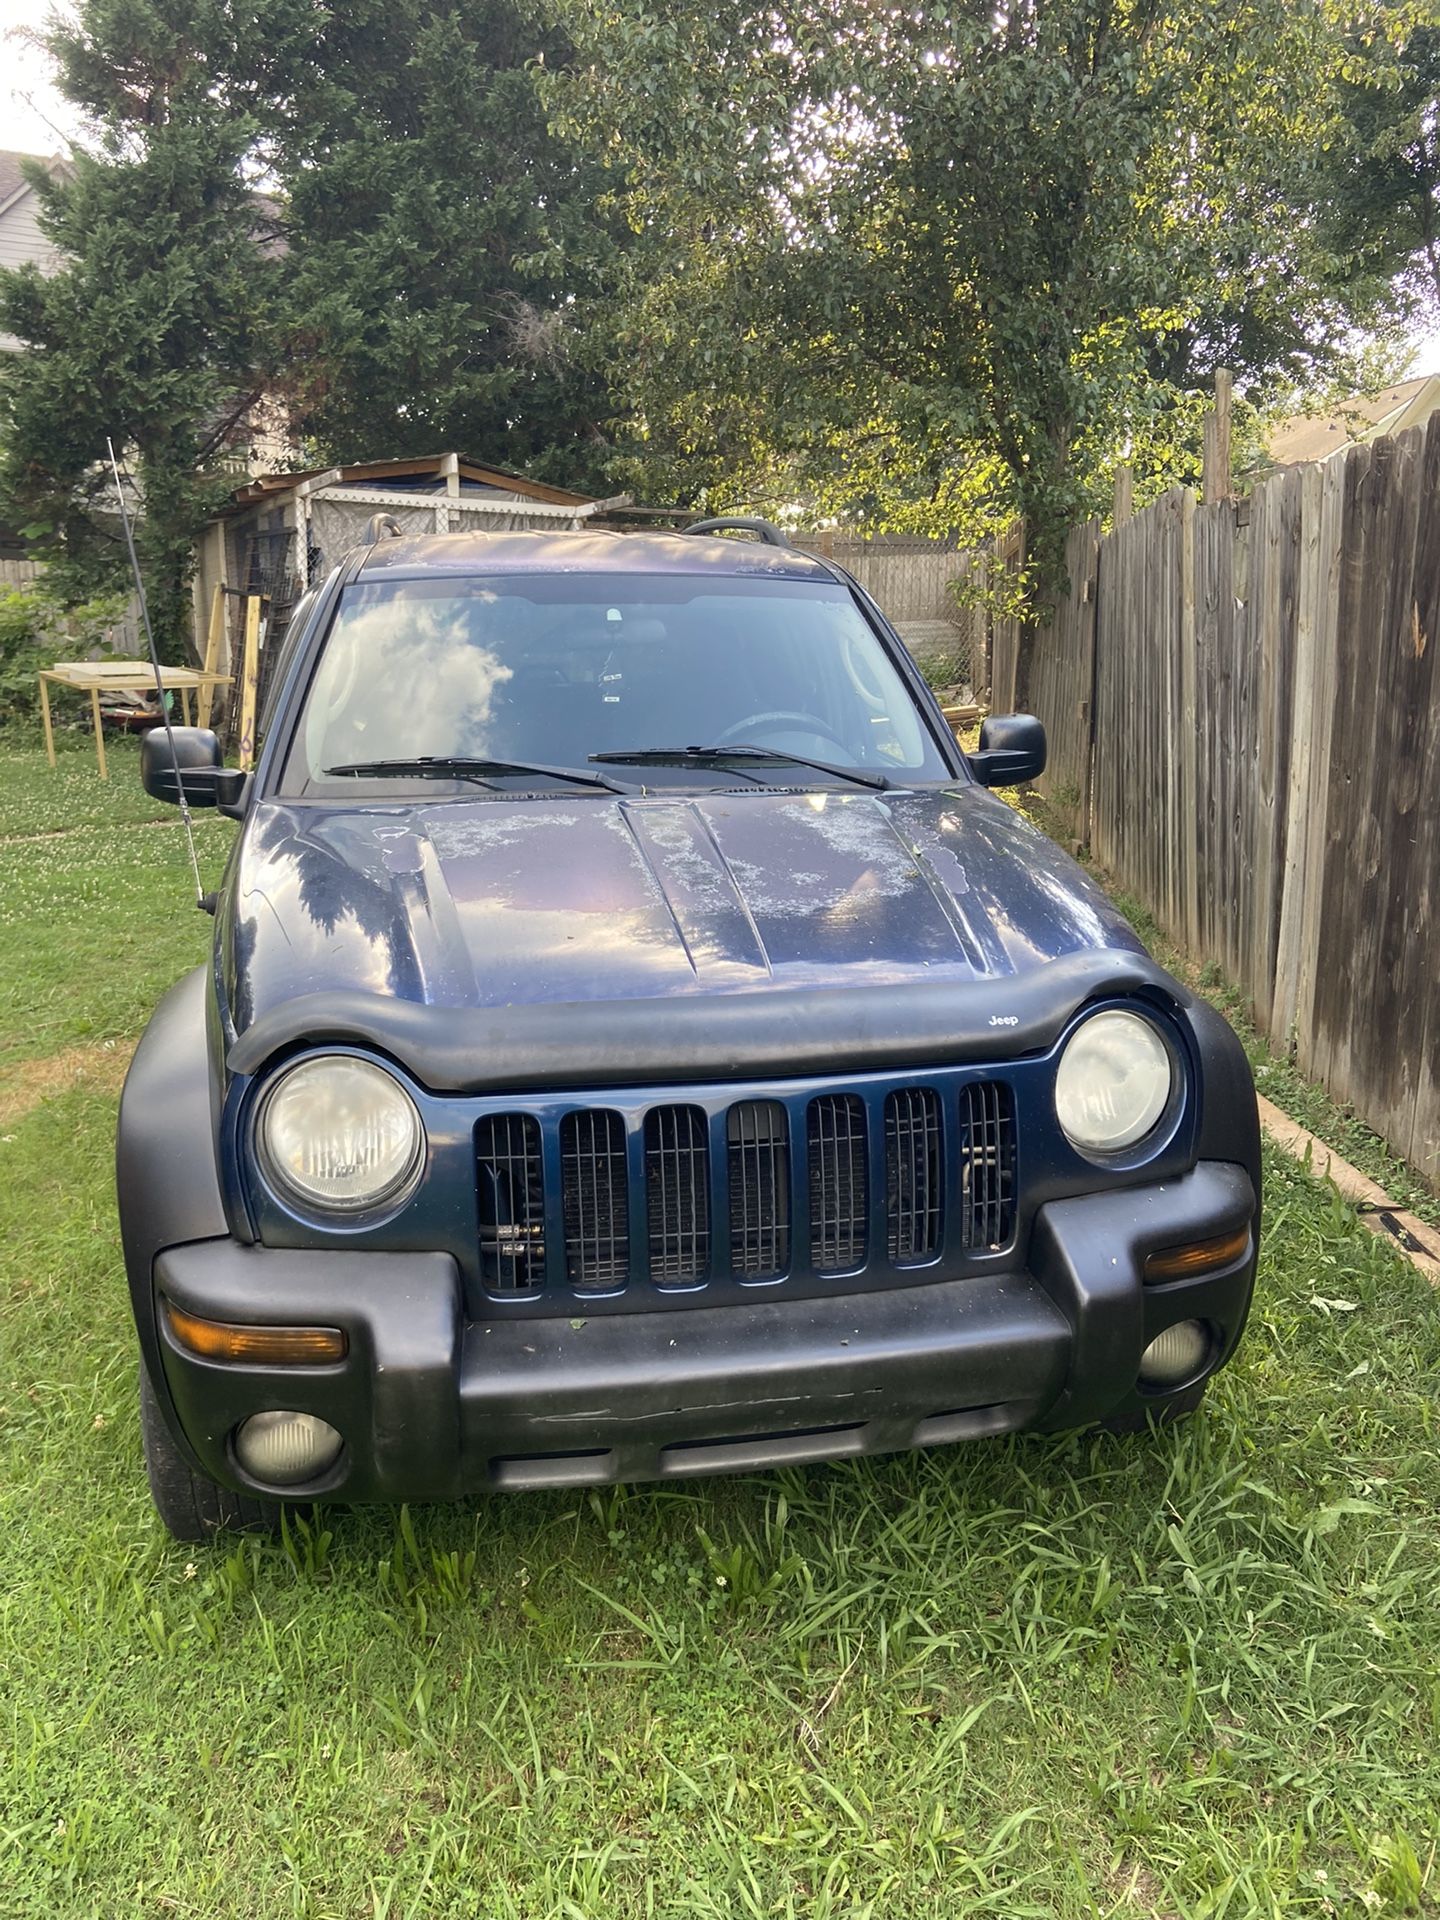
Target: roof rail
(765, 530)
(381, 526)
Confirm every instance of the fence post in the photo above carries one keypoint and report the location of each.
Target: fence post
(213, 639)
(249, 682)
(1124, 511)
(1215, 484)
(1188, 823)
(1305, 898)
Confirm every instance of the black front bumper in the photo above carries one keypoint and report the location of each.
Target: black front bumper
(434, 1407)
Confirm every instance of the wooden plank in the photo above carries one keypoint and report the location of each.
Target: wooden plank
(1327, 593)
(1400, 961)
(1303, 789)
(1188, 835)
(1216, 454)
(1335, 985)
(45, 717)
(1419, 1137)
(1124, 508)
(99, 733)
(214, 640)
(249, 682)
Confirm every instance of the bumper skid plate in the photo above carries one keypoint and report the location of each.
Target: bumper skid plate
(432, 1407)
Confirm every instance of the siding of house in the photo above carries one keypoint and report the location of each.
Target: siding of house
(21, 240)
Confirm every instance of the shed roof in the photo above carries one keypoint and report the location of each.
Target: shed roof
(412, 474)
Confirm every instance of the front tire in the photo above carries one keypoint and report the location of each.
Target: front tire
(193, 1506)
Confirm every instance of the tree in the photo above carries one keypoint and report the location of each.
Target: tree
(153, 329)
(941, 263)
(357, 213)
(1378, 192)
(444, 245)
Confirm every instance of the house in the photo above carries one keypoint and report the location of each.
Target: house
(21, 241)
(1362, 417)
(279, 533)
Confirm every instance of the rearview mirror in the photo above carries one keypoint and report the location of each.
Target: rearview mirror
(1012, 750)
(207, 782)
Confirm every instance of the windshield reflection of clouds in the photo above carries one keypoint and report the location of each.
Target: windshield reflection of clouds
(391, 688)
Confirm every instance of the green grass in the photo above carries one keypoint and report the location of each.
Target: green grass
(1191, 1674)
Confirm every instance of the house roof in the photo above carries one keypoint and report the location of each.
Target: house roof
(12, 173)
(411, 475)
(1364, 416)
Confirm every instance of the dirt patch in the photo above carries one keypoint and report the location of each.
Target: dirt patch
(27, 1084)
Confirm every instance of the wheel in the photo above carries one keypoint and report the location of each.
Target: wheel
(192, 1506)
(768, 722)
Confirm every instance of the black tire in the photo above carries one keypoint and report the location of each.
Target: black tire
(192, 1506)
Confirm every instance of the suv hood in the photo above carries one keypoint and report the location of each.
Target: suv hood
(500, 906)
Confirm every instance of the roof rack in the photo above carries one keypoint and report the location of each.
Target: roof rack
(765, 530)
(381, 526)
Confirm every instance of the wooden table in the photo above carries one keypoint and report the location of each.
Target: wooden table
(117, 676)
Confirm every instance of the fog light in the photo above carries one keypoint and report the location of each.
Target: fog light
(1176, 1355)
(284, 1449)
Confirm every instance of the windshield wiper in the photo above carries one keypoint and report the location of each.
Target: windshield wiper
(430, 766)
(740, 750)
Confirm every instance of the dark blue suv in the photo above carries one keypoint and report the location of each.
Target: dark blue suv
(636, 1045)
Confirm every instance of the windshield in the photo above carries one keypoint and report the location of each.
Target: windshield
(552, 669)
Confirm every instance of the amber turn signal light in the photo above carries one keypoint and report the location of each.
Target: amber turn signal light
(1182, 1263)
(261, 1346)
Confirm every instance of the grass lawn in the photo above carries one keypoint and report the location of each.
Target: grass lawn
(1196, 1673)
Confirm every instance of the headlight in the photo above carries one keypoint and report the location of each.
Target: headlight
(1114, 1082)
(340, 1134)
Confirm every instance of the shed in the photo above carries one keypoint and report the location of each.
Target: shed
(279, 532)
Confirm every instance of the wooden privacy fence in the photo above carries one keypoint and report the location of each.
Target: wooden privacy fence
(1243, 705)
(912, 580)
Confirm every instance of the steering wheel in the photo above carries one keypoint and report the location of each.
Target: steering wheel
(769, 721)
(850, 659)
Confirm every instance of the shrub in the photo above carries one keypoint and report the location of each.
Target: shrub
(35, 631)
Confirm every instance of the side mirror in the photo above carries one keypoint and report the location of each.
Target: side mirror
(197, 754)
(1012, 751)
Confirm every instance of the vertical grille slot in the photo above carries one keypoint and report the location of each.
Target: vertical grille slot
(596, 1199)
(913, 1175)
(512, 1202)
(987, 1164)
(758, 1142)
(838, 1198)
(677, 1182)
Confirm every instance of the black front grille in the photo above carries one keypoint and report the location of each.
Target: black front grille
(758, 1139)
(987, 1165)
(596, 1198)
(835, 1124)
(512, 1202)
(677, 1193)
(914, 1176)
(943, 1174)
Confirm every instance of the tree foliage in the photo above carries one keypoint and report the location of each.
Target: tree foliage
(1378, 198)
(942, 263)
(445, 245)
(358, 213)
(154, 330)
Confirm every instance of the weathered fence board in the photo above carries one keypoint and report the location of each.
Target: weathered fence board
(1264, 772)
(1062, 680)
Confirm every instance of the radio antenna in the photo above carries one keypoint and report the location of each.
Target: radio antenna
(159, 680)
